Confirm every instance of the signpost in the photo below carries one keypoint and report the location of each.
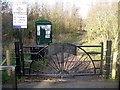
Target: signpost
(19, 11)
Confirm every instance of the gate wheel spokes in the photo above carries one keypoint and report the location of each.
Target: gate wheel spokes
(70, 59)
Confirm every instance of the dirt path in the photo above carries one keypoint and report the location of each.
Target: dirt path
(81, 82)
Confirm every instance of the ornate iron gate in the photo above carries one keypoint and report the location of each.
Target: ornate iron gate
(63, 60)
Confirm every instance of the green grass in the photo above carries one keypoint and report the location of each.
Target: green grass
(66, 38)
(6, 78)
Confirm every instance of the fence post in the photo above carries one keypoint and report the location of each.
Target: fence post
(8, 60)
(114, 65)
(101, 64)
(22, 58)
(108, 58)
(17, 55)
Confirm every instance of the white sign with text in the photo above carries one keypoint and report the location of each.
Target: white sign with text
(19, 15)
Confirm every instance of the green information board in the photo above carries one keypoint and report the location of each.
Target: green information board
(43, 32)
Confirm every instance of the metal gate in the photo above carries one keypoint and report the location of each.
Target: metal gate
(61, 60)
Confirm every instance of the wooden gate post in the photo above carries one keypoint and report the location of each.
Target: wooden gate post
(114, 65)
(108, 58)
(8, 60)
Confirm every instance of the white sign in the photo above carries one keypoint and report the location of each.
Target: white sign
(19, 9)
(19, 21)
(19, 15)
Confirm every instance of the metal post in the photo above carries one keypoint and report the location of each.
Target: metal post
(17, 55)
(21, 50)
(22, 58)
(14, 79)
(20, 36)
(62, 58)
(108, 58)
(101, 66)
